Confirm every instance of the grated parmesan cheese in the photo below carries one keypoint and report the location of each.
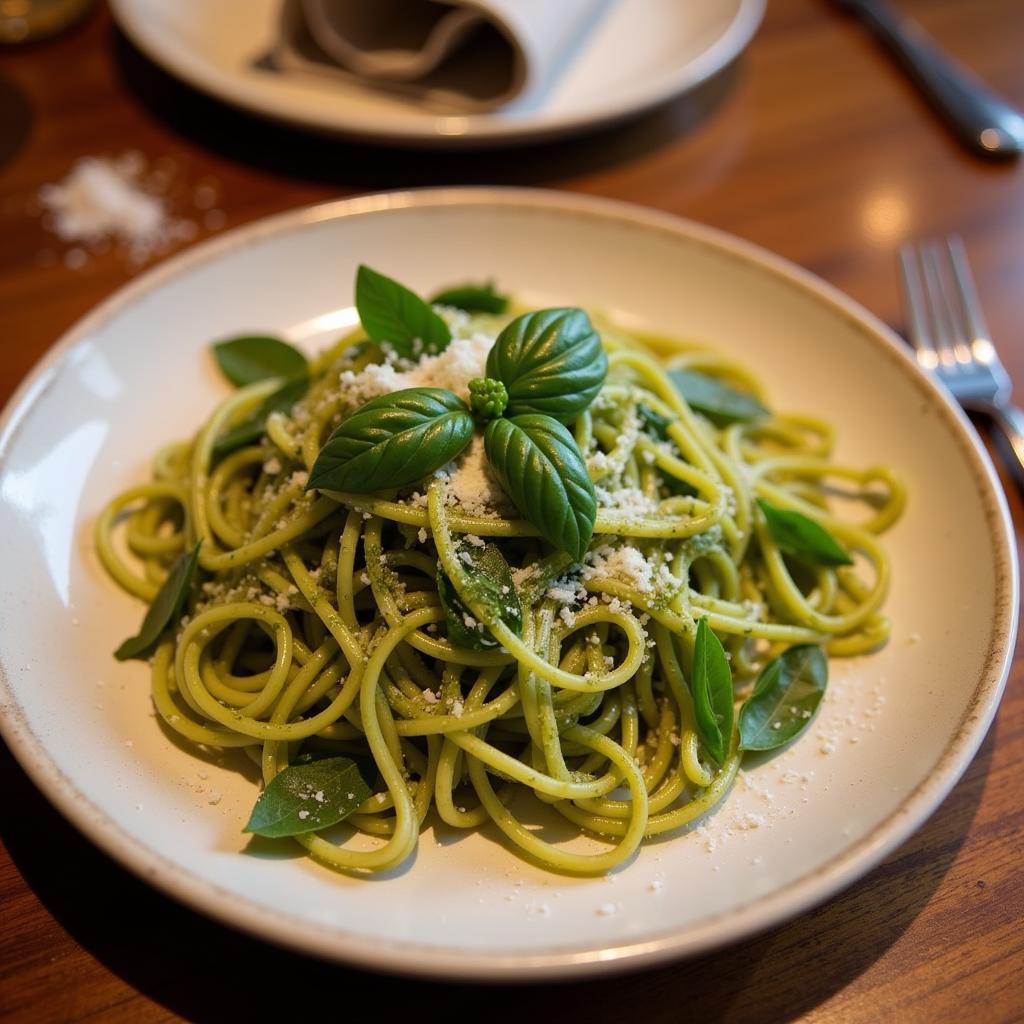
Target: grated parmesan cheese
(627, 564)
(453, 369)
(473, 487)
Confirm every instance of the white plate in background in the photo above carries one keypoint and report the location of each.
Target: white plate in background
(641, 53)
(894, 734)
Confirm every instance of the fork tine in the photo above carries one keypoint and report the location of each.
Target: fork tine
(917, 315)
(974, 321)
(942, 312)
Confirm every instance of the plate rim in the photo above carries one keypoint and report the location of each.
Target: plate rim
(561, 962)
(463, 131)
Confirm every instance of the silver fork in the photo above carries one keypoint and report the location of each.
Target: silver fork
(951, 339)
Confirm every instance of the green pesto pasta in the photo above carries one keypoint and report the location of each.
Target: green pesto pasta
(315, 623)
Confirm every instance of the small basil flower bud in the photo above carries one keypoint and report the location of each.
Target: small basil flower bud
(487, 397)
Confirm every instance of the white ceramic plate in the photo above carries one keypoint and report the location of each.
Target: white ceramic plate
(897, 728)
(640, 53)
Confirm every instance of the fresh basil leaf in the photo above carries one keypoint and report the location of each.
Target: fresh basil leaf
(252, 428)
(490, 589)
(307, 797)
(364, 763)
(718, 401)
(165, 609)
(537, 462)
(473, 298)
(250, 358)
(391, 313)
(712, 692)
(392, 441)
(786, 695)
(797, 535)
(552, 363)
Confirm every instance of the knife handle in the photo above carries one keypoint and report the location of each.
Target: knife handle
(982, 120)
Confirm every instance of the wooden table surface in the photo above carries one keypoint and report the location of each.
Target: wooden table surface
(812, 145)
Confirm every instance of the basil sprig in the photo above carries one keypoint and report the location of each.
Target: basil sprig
(716, 399)
(538, 463)
(552, 362)
(392, 313)
(392, 441)
(473, 298)
(712, 692)
(786, 695)
(165, 610)
(544, 370)
(798, 535)
(490, 589)
(307, 797)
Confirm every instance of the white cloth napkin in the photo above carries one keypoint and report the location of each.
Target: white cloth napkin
(458, 56)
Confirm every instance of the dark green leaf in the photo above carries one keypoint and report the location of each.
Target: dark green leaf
(537, 462)
(250, 358)
(473, 298)
(716, 400)
(490, 591)
(797, 535)
(552, 362)
(712, 692)
(364, 762)
(307, 797)
(654, 421)
(165, 609)
(786, 695)
(543, 573)
(391, 313)
(392, 441)
(251, 429)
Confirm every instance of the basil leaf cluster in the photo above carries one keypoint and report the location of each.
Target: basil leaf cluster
(779, 708)
(549, 364)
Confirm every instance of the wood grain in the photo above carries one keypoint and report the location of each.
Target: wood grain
(811, 145)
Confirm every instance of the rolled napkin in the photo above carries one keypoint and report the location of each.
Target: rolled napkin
(457, 56)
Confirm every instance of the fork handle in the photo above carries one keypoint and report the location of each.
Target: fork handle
(1010, 421)
(983, 121)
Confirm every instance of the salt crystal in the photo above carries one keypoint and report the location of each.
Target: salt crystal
(102, 200)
